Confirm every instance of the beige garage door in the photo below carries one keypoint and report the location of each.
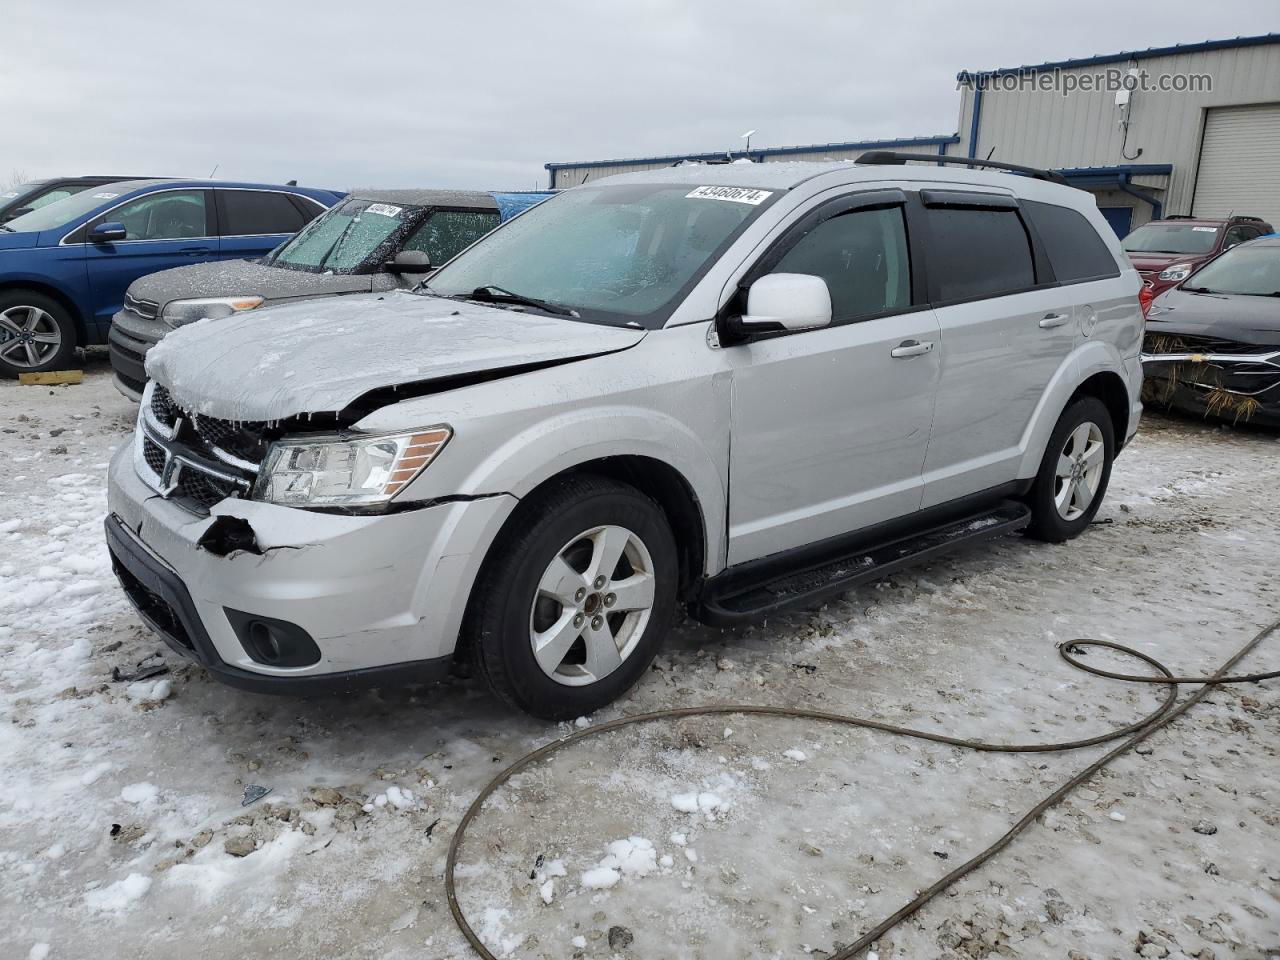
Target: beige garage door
(1240, 163)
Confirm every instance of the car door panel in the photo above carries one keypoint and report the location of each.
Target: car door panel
(997, 355)
(830, 432)
(830, 427)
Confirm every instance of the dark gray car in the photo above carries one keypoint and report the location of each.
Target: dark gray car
(1213, 342)
(375, 240)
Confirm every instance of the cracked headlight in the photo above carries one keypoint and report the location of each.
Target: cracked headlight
(180, 312)
(348, 471)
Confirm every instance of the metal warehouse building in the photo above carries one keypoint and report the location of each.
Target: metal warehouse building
(1188, 129)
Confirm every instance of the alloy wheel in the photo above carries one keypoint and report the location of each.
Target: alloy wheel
(592, 605)
(1079, 471)
(29, 336)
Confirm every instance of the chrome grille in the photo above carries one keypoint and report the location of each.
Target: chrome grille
(147, 309)
(197, 461)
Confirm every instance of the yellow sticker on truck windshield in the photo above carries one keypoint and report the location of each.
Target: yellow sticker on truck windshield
(732, 194)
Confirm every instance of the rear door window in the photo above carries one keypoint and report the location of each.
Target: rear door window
(250, 213)
(448, 232)
(1074, 248)
(977, 252)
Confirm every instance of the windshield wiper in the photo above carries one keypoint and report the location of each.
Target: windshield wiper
(336, 243)
(494, 294)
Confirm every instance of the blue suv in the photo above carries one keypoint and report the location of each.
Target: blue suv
(64, 268)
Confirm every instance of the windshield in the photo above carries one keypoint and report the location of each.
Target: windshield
(614, 254)
(1171, 238)
(64, 211)
(1250, 271)
(344, 238)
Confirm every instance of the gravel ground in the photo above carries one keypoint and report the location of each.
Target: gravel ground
(122, 832)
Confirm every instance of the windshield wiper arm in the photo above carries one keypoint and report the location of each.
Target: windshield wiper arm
(494, 294)
(336, 243)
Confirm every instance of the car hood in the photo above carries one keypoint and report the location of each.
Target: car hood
(1244, 319)
(319, 356)
(18, 241)
(231, 278)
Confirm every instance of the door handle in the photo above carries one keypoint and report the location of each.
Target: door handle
(911, 348)
(1052, 320)
(192, 251)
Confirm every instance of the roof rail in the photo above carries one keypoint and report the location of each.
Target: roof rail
(1241, 216)
(888, 157)
(1182, 216)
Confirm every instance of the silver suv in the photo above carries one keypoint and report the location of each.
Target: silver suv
(728, 387)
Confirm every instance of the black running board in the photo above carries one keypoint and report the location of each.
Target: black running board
(731, 599)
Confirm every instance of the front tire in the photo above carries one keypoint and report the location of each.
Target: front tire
(37, 334)
(574, 598)
(1074, 473)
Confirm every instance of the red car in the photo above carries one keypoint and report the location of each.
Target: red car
(1166, 252)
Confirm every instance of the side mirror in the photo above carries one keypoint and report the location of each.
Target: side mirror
(409, 261)
(108, 232)
(15, 213)
(787, 301)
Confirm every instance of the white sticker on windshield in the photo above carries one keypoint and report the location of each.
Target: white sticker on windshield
(384, 209)
(1205, 229)
(733, 194)
(104, 196)
(11, 194)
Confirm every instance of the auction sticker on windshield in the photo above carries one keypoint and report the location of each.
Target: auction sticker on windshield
(104, 196)
(384, 209)
(732, 194)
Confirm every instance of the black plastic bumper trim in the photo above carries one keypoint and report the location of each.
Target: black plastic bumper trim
(130, 558)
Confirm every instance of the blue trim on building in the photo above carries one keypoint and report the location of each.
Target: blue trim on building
(975, 120)
(1124, 56)
(1125, 169)
(1157, 208)
(1120, 178)
(761, 153)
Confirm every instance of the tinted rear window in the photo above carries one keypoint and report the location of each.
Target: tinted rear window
(251, 212)
(978, 253)
(1074, 247)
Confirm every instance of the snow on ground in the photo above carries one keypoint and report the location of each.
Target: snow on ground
(122, 832)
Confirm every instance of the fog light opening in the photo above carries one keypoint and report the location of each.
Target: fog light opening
(273, 643)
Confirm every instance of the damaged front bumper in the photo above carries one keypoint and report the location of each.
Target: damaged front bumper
(276, 599)
(1235, 386)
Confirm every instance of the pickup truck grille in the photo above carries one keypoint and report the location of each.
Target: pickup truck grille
(195, 460)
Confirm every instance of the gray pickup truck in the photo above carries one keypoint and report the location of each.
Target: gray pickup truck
(729, 387)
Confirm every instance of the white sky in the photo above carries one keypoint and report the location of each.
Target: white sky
(481, 93)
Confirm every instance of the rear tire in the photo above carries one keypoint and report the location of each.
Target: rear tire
(1074, 473)
(37, 334)
(574, 598)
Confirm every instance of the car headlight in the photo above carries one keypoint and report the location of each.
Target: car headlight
(179, 312)
(346, 471)
(1177, 272)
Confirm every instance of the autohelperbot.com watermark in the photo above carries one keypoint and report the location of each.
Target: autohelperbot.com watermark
(1067, 82)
